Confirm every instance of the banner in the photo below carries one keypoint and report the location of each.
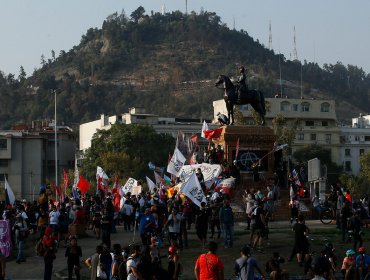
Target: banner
(192, 190)
(129, 186)
(5, 238)
(210, 172)
(150, 184)
(186, 146)
(177, 161)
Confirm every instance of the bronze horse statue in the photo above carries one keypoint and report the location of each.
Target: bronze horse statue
(233, 97)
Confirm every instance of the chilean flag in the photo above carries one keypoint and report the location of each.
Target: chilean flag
(9, 195)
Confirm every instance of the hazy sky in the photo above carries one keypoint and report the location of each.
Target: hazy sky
(327, 31)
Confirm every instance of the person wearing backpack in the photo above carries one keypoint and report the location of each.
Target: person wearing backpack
(209, 265)
(227, 222)
(133, 263)
(92, 262)
(246, 264)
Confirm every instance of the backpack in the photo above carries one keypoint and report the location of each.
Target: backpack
(39, 248)
(122, 271)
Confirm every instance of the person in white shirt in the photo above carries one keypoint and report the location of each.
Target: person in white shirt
(54, 218)
(126, 212)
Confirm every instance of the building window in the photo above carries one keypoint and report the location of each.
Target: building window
(284, 106)
(313, 137)
(348, 166)
(347, 152)
(325, 107)
(305, 107)
(4, 163)
(367, 138)
(328, 138)
(300, 136)
(295, 107)
(362, 152)
(141, 117)
(310, 123)
(324, 123)
(3, 144)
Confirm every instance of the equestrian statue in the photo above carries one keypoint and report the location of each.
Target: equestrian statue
(240, 95)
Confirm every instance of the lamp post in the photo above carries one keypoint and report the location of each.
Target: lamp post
(56, 139)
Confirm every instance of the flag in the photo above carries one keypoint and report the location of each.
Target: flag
(177, 161)
(166, 179)
(129, 186)
(83, 185)
(213, 133)
(75, 193)
(204, 127)
(101, 186)
(150, 184)
(116, 195)
(65, 178)
(296, 179)
(9, 195)
(185, 145)
(237, 149)
(194, 138)
(76, 175)
(192, 190)
(100, 173)
(158, 178)
(59, 193)
(279, 147)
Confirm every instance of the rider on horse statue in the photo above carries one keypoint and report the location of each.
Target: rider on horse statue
(242, 86)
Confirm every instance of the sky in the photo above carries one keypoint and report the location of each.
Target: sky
(326, 31)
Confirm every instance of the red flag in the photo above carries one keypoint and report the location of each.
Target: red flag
(237, 149)
(194, 138)
(65, 178)
(101, 185)
(59, 193)
(213, 133)
(83, 185)
(116, 195)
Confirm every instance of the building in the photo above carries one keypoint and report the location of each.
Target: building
(137, 115)
(27, 157)
(317, 125)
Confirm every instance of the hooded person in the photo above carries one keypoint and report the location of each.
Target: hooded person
(50, 247)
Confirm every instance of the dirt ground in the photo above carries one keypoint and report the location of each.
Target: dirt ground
(280, 240)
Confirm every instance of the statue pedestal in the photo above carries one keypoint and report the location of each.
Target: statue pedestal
(255, 143)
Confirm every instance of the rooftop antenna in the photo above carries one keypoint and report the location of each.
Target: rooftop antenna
(186, 7)
(281, 85)
(301, 81)
(163, 9)
(270, 37)
(234, 22)
(295, 54)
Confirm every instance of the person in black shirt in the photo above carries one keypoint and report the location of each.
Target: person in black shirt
(73, 254)
(301, 245)
(201, 223)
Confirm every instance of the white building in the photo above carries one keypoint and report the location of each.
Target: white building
(138, 115)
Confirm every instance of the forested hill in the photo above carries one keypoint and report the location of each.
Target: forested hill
(167, 64)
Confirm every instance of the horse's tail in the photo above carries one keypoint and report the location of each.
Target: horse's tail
(263, 104)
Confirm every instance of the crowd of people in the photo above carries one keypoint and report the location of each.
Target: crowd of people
(162, 222)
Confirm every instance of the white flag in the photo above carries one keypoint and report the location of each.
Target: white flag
(158, 178)
(150, 184)
(100, 173)
(76, 175)
(193, 190)
(177, 161)
(204, 127)
(9, 192)
(129, 186)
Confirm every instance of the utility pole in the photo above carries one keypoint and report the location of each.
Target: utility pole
(55, 139)
(295, 54)
(270, 37)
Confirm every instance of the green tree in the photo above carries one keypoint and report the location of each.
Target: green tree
(126, 150)
(285, 132)
(137, 14)
(22, 74)
(365, 165)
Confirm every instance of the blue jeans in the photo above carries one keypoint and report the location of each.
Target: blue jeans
(20, 256)
(228, 232)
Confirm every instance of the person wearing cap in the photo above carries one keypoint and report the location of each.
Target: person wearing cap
(246, 265)
(209, 265)
(362, 263)
(348, 268)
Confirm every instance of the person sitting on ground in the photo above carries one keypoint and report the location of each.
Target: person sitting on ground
(273, 267)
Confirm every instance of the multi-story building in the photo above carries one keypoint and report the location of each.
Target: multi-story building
(27, 157)
(138, 115)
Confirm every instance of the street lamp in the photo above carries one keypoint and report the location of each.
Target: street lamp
(56, 138)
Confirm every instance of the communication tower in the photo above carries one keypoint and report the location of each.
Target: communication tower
(270, 37)
(295, 54)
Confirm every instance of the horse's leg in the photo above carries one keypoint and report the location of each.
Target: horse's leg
(257, 107)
